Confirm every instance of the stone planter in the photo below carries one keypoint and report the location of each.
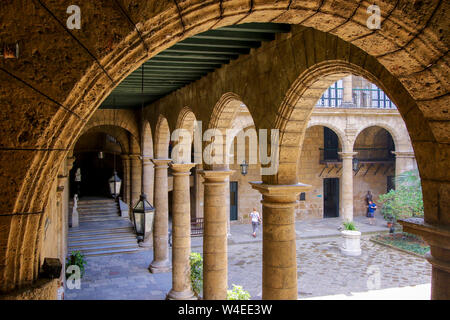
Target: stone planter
(351, 245)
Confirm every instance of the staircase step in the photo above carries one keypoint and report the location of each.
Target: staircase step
(103, 231)
(109, 252)
(96, 243)
(102, 238)
(127, 236)
(103, 247)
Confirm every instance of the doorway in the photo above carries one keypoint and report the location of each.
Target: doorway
(331, 197)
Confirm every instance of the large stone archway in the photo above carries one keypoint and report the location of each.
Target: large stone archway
(409, 53)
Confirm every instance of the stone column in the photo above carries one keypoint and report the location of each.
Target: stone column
(148, 179)
(126, 182)
(136, 178)
(181, 235)
(347, 97)
(438, 238)
(404, 161)
(279, 248)
(215, 252)
(161, 261)
(347, 185)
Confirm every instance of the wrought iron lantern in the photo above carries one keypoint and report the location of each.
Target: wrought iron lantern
(114, 185)
(355, 163)
(244, 168)
(143, 214)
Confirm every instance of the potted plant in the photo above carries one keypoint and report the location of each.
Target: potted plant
(351, 245)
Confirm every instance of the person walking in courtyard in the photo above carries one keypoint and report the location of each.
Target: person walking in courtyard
(368, 199)
(256, 220)
(371, 212)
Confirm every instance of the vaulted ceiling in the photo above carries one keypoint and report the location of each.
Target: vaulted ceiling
(188, 61)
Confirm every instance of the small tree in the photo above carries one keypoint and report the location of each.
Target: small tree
(196, 262)
(238, 293)
(406, 200)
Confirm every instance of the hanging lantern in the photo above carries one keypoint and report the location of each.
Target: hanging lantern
(114, 185)
(143, 214)
(244, 168)
(355, 162)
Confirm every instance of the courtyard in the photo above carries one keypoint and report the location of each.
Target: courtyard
(323, 272)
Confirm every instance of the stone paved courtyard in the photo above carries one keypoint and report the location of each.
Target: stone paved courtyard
(322, 271)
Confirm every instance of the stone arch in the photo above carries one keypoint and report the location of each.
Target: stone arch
(340, 134)
(121, 134)
(401, 139)
(184, 136)
(162, 138)
(147, 140)
(295, 110)
(411, 32)
(148, 173)
(222, 116)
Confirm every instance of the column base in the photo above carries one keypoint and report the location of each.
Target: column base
(181, 295)
(146, 244)
(160, 267)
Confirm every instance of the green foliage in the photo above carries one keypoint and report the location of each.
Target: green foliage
(77, 259)
(350, 226)
(196, 262)
(406, 200)
(238, 293)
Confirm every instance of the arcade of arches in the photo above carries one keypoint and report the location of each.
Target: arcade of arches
(51, 123)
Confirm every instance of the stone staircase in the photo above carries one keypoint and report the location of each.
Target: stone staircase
(101, 230)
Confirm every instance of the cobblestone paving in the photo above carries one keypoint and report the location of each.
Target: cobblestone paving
(322, 271)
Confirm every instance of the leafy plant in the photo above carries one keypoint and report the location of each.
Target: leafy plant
(77, 259)
(196, 262)
(350, 225)
(406, 200)
(238, 293)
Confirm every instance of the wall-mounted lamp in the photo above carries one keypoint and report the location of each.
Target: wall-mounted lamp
(244, 168)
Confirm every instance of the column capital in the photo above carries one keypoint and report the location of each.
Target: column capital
(180, 168)
(135, 156)
(347, 155)
(161, 163)
(280, 189)
(216, 175)
(403, 154)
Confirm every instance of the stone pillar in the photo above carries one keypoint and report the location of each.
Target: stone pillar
(181, 235)
(404, 161)
(347, 98)
(161, 261)
(215, 252)
(126, 181)
(438, 238)
(347, 185)
(148, 179)
(136, 178)
(279, 249)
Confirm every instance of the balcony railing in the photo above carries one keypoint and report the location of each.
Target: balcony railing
(197, 225)
(331, 155)
(361, 98)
